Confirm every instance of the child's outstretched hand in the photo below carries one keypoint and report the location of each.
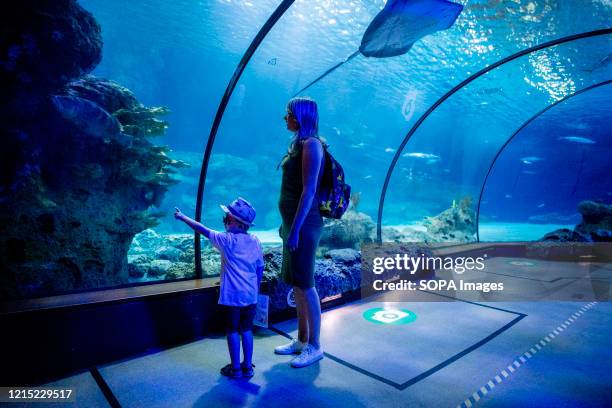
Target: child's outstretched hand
(178, 214)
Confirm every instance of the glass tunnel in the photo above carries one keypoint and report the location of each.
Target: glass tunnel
(240, 62)
(478, 133)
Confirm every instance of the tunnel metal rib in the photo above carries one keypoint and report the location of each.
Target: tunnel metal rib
(516, 132)
(459, 86)
(272, 20)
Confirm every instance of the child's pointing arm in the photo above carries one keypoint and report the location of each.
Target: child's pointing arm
(196, 226)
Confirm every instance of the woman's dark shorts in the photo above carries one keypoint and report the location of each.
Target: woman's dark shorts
(239, 318)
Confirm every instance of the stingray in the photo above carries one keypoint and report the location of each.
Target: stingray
(398, 26)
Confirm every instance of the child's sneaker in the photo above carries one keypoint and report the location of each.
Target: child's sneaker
(308, 356)
(247, 372)
(294, 347)
(231, 372)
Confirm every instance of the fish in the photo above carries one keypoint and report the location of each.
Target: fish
(419, 155)
(397, 27)
(530, 159)
(368, 177)
(389, 150)
(577, 139)
(508, 196)
(358, 145)
(541, 205)
(87, 116)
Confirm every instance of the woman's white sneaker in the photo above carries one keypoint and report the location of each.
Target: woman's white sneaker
(309, 355)
(292, 348)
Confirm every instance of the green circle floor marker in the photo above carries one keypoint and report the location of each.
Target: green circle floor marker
(381, 315)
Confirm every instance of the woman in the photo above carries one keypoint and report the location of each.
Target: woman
(302, 226)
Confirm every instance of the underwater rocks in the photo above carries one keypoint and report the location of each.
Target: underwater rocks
(596, 225)
(456, 224)
(153, 256)
(138, 265)
(350, 231)
(564, 235)
(338, 272)
(46, 44)
(87, 116)
(596, 220)
(272, 283)
(404, 234)
(107, 94)
(78, 176)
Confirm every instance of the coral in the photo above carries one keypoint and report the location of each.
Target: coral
(78, 175)
(176, 253)
(180, 270)
(456, 224)
(138, 265)
(107, 94)
(158, 268)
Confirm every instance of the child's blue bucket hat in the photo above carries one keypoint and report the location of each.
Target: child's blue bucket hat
(241, 210)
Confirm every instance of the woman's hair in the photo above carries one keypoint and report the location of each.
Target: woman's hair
(305, 112)
(307, 116)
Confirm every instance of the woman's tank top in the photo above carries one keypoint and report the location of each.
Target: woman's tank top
(291, 184)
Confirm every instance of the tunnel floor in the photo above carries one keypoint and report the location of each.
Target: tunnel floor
(447, 354)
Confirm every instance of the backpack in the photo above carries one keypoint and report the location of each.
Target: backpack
(334, 194)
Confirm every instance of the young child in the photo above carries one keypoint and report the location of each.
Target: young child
(241, 272)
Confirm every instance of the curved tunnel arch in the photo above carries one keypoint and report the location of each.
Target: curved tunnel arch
(272, 20)
(459, 86)
(516, 132)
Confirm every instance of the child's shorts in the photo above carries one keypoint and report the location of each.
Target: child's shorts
(239, 318)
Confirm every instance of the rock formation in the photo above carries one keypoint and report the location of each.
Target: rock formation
(78, 174)
(456, 224)
(595, 226)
